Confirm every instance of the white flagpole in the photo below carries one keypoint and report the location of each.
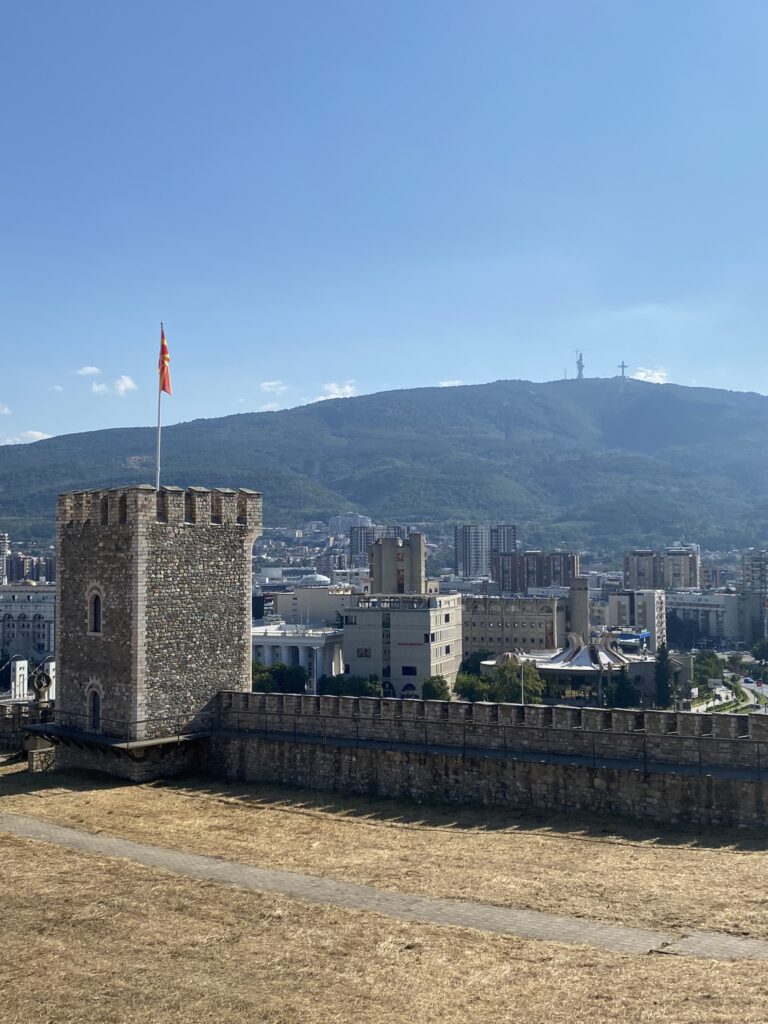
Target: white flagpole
(159, 396)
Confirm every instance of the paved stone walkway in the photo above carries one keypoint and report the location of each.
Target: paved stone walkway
(528, 924)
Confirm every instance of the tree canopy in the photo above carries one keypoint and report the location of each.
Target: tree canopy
(502, 685)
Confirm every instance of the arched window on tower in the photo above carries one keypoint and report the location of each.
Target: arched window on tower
(94, 614)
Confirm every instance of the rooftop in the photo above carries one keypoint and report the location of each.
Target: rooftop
(296, 630)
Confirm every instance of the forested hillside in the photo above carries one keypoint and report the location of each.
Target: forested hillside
(599, 464)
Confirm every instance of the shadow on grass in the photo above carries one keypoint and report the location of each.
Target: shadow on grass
(403, 813)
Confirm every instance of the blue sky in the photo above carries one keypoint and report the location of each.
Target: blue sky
(343, 197)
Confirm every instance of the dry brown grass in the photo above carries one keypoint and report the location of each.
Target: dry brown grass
(88, 939)
(595, 869)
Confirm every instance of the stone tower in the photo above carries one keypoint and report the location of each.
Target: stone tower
(154, 609)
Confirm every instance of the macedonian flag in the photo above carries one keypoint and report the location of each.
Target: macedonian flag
(163, 365)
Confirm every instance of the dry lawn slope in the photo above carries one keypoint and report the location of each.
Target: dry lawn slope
(599, 869)
(90, 939)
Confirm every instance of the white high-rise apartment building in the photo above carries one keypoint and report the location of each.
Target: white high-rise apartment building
(475, 545)
(5, 549)
(754, 566)
(640, 609)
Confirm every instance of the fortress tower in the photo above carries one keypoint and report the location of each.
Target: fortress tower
(154, 609)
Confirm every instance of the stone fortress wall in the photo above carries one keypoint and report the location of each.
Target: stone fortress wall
(675, 768)
(527, 786)
(675, 738)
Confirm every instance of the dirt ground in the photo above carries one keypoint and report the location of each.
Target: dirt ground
(90, 939)
(599, 869)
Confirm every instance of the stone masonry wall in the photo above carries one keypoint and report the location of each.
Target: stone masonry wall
(157, 763)
(198, 599)
(489, 782)
(94, 557)
(173, 569)
(684, 738)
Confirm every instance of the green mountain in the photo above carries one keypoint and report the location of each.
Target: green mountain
(599, 464)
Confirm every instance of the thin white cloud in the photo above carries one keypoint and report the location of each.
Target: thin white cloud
(99, 389)
(449, 383)
(269, 407)
(334, 390)
(26, 437)
(88, 371)
(653, 375)
(4, 410)
(125, 384)
(274, 387)
(55, 387)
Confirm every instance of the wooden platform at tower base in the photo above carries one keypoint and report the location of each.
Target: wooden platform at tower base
(67, 736)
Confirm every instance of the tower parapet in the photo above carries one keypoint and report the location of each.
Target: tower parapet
(121, 506)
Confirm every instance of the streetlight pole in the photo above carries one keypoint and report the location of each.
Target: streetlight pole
(522, 686)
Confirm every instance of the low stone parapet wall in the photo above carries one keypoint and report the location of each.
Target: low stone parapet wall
(669, 737)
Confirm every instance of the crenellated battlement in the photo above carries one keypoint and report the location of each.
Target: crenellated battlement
(193, 506)
(669, 737)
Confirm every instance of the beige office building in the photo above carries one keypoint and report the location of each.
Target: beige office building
(496, 625)
(403, 639)
(675, 568)
(314, 606)
(398, 566)
(681, 567)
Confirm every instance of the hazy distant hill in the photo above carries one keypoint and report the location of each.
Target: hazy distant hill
(595, 463)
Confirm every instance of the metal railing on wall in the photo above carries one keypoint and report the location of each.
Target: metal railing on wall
(124, 730)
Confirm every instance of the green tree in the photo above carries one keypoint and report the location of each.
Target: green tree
(706, 666)
(435, 688)
(502, 685)
(663, 678)
(278, 678)
(261, 678)
(472, 687)
(349, 686)
(290, 678)
(471, 664)
(760, 650)
(625, 694)
(505, 684)
(735, 662)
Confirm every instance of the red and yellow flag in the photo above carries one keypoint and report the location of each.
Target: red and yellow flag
(164, 364)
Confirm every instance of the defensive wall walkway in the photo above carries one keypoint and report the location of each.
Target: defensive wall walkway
(732, 746)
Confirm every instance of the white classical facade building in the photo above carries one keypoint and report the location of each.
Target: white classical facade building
(27, 614)
(316, 649)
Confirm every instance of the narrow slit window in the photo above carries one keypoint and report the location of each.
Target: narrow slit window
(95, 614)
